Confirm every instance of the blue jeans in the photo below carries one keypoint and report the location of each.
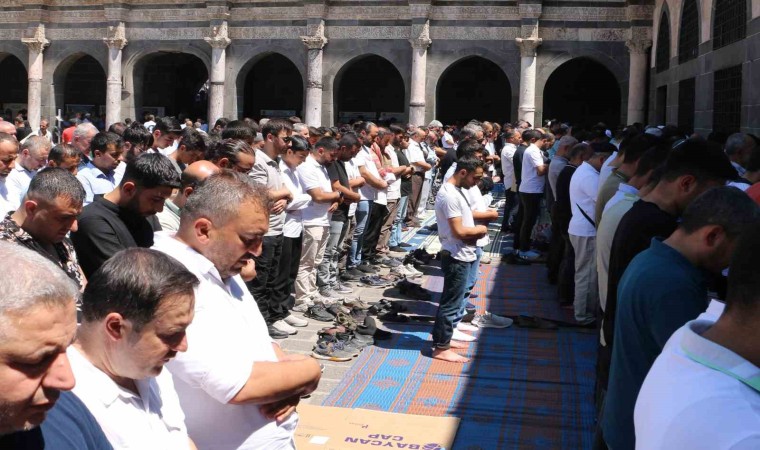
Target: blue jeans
(362, 214)
(327, 272)
(455, 277)
(397, 222)
(472, 278)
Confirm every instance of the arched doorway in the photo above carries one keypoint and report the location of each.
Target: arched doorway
(171, 84)
(369, 88)
(473, 88)
(582, 92)
(13, 89)
(273, 88)
(84, 88)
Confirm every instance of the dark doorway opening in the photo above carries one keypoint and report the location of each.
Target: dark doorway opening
(13, 90)
(84, 90)
(370, 88)
(661, 105)
(176, 82)
(584, 93)
(273, 88)
(473, 88)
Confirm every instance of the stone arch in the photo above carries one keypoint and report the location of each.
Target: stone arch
(14, 89)
(242, 95)
(133, 68)
(679, 35)
(493, 106)
(547, 67)
(673, 10)
(583, 91)
(659, 47)
(58, 70)
(392, 99)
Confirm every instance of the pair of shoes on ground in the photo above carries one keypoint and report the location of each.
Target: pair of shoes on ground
(374, 281)
(413, 290)
(407, 270)
(285, 327)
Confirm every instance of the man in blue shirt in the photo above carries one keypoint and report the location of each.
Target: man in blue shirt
(663, 288)
(98, 175)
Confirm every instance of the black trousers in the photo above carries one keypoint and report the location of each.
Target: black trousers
(510, 198)
(566, 279)
(529, 205)
(262, 287)
(283, 285)
(556, 249)
(377, 215)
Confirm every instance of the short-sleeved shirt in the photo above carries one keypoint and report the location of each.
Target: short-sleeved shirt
(507, 166)
(562, 209)
(660, 291)
(227, 337)
(532, 182)
(394, 182)
(353, 173)
(293, 221)
(337, 172)
(583, 190)
(18, 183)
(478, 203)
(684, 404)
(95, 182)
(266, 172)
(105, 229)
(150, 418)
(68, 426)
(314, 175)
(406, 183)
(517, 162)
(169, 217)
(451, 202)
(414, 154)
(364, 159)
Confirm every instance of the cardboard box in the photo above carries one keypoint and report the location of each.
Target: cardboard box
(330, 428)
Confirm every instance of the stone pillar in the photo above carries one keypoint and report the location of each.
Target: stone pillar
(637, 79)
(313, 106)
(419, 76)
(36, 44)
(115, 41)
(527, 107)
(219, 40)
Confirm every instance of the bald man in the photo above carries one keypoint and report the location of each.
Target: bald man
(191, 177)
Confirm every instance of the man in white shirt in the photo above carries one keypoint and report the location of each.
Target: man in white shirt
(512, 139)
(237, 388)
(429, 149)
(531, 191)
(32, 156)
(416, 158)
(8, 155)
(165, 134)
(42, 132)
(395, 173)
(702, 391)
(136, 309)
(458, 234)
(584, 187)
(98, 175)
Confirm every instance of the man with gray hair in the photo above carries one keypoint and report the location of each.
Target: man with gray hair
(37, 325)
(416, 158)
(739, 149)
(32, 156)
(8, 154)
(237, 388)
(80, 139)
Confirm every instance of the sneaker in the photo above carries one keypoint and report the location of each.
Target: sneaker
(344, 339)
(331, 352)
(530, 254)
(319, 313)
(366, 268)
(413, 270)
(402, 271)
(284, 327)
(489, 320)
(327, 296)
(462, 337)
(303, 307)
(352, 274)
(294, 321)
(390, 262)
(355, 303)
(398, 249)
(466, 327)
(341, 288)
(274, 333)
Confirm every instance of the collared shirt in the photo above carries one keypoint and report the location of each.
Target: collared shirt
(507, 166)
(65, 257)
(227, 337)
(5, 203)
(660, 291)
(394, 182)
(432, 159)
(266, 172)
(169, 217)
(293, 219)
(739, 169)
(18, 183)
(686, 404)
(95, 182)
(364, 158)
(150, 418)
(531, 182)
(608, 190)
(555, 167)
(583, 191)
(606, 169)
(414, 153)
(313, 175)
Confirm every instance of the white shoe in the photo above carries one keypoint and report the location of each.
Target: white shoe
(294, 321)
(414, 272)
(489, 320)
(462, 326)
(401, 270)
(459, 336)
(284, 327)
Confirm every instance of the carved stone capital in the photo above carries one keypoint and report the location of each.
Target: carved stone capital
(219, 36)
(638, 46)
(316, 41)
(313, 84)
(528, 46)
(422, 41)
(116, 37)
(37, 42)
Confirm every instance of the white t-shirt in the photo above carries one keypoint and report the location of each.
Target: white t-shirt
(314, 175)
(353, 173)
(507, 166)
(478, 203)
(684, 404)
(394, 183)
(293, 219)
(149, 419)
(414, 154)
(450, 203)
(228, 335)
(364, 158)
(446, 139)
(491, 149)
(584, 186)
(532, 182)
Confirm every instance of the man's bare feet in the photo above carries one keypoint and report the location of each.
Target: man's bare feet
(458, 344)
(449, 356)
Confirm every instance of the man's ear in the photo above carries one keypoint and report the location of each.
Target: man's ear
(187, 191)
(129, 188)
(203, 229)
(30, 207)
(115, 326)
(224, 163)
(713, 235)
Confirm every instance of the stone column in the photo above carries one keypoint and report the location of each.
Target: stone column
(115, 41)
(36, 44)
(527, 107)
(419, 76)
(219, 40)
(314, 44)
(637, 79)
